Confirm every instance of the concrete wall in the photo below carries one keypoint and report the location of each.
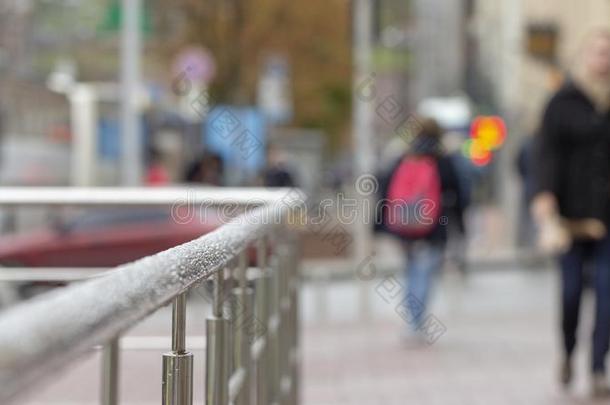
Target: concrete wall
(439, 48)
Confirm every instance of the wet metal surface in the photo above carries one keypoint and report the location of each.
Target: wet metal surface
(42, 336)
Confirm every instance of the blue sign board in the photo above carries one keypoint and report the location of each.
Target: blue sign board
(238, 135)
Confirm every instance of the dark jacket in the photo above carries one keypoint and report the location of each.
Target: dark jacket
(451, 210)
(572, 155)
(278, 176)
(523, 163)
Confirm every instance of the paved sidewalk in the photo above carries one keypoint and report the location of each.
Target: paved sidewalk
(499, 348)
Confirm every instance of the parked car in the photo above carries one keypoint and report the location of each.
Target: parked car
(104, 238)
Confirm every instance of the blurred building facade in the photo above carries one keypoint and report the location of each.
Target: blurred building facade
(526, 46)
(439, 52)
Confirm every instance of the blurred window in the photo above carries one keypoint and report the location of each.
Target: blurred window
(542, 41)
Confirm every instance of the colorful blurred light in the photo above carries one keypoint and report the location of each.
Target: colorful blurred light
(487, 134)
(477, 152)
(490, 130)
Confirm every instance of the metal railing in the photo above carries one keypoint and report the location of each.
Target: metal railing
(126, 196)
(251, 337)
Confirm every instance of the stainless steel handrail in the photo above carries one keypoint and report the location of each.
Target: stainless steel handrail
(50, 274)
(39, 337)
(138, 196)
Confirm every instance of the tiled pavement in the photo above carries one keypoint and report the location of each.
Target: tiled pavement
(499, 348)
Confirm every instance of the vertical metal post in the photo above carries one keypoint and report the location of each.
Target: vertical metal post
(244, 326)
(363, 134)
(294, 328)
(242, 268)
(284, 335)
(273, 339)
(179, 324)
(178, 364)
(131, 50)
(110, 373)
(261, 312)
(217, 354)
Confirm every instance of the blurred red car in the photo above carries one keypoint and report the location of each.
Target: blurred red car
(104, 238)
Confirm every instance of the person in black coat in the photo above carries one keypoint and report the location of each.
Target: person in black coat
(572, 203)
(523, 166)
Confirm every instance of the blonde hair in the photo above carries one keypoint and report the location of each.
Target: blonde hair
(598, 90)
(587, 40)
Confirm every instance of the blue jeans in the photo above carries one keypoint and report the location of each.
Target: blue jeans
(424, 261)
(572, 265)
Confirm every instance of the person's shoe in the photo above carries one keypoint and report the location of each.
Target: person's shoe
(600, 385)
(565, 374)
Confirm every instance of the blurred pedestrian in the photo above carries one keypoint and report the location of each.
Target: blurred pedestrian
(572, 204)
(523, 166)
(207, 169)
(156, 172)
(419, 192)
(457, 246)
(277, 173)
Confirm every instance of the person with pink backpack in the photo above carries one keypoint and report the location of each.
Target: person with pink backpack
(420, 195)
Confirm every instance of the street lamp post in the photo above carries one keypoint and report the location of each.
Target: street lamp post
(130, 91)
(362, 122)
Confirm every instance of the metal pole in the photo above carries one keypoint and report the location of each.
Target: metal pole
(130, 93)
(179, 322)
(241, 313)
(273, 338)
(261, 312)
(243, 327)
(363, 103)
(284, 316)
(294, 352)
(242, 322)
(242, 268)
(178, 364)
(262, 248)
(83, 105)
(218, 294)
(362, 126)
(110, 373)
(217, 353)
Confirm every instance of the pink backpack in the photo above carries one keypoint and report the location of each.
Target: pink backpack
(414, 197)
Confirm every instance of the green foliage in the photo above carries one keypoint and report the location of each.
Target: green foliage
(314, 36)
